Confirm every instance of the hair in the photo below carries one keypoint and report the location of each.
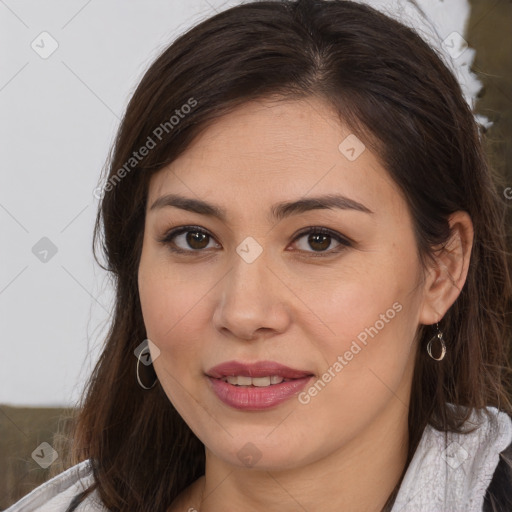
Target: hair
(398, 96)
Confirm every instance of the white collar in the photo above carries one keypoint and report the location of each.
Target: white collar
(453, 471)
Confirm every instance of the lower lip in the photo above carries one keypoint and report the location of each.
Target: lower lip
(257, 398)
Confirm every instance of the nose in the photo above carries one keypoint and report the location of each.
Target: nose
(253, 302)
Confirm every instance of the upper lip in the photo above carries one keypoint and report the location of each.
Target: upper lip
(256, 369)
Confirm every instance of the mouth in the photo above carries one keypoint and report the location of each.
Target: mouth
(256, 386)
(259, 382)
(258, 370)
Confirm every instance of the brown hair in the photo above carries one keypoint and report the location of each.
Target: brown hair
(395, 93)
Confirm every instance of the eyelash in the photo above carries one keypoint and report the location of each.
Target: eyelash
(170, 235)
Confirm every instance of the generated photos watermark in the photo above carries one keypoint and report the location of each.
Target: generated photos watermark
(157, 135)
(343, 360)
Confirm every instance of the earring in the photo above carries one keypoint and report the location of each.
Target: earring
(439, 336)
(137, 369)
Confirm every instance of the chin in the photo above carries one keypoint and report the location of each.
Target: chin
(263, 452)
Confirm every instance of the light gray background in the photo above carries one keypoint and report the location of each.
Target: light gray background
(58, 119)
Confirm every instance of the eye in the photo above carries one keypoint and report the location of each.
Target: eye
(320, 239)
(191, 238)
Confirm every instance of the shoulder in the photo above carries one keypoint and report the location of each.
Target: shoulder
(457, 472)
(498, 497)
(58, 493)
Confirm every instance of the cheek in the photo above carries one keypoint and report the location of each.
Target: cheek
(167, 309)
(372, 316)
(362, 295)
(170, 310)
(175, 308)
(367, 364)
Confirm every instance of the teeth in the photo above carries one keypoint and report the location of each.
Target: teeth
(242, 380)
(261, 381)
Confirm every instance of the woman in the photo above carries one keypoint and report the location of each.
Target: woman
(312, 280)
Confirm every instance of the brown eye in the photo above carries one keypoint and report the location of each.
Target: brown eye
(196, 239)
(320, 240)
(187, 239)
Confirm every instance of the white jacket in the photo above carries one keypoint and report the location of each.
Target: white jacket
(450, 474)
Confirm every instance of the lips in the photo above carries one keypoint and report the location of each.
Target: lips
(256, 386)
(258, 369)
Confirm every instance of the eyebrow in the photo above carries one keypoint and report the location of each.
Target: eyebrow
(278, 211)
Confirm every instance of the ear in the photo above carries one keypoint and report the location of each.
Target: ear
(447, 274)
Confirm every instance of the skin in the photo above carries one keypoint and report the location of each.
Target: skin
(346, 448)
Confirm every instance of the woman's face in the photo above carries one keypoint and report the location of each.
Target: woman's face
(341, 307)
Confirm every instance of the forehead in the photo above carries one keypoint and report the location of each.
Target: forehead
(271, 151)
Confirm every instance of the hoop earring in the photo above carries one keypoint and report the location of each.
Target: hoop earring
(439, 336)
(137, 371)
